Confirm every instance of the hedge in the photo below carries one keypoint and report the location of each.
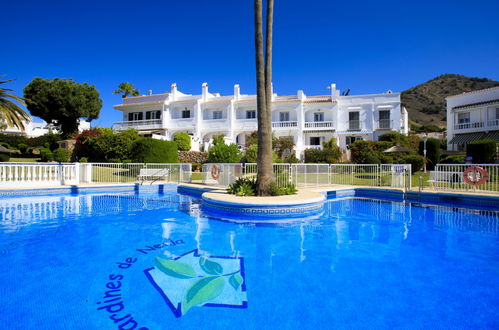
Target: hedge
(416, 162)
(222, 153)
(183, 141)
(325, 155)
(432, 152)
(61, 155)
(482, 151)
(149, 150)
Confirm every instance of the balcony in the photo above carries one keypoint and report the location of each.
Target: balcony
(469, 126)
(354, 125)
(138, 124)
(216, 123)
(493, 123)
(245, 124)
(284, 124)
(181, 123)
(319, 124)
(313, 146)
(384, 124)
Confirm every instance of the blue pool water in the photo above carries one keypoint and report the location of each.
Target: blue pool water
(88, 261)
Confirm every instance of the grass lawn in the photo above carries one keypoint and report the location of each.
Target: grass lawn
(24, 159)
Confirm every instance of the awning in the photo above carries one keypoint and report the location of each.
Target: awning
(467, 138)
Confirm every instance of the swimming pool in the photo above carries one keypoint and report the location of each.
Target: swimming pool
(90, 261)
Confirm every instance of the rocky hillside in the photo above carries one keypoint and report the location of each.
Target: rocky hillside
(426, 102)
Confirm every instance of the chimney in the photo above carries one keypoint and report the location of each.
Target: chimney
(150, 92)
(300, 95)
(204, 88)
(334, 92)
(237, 91)
(173, 91)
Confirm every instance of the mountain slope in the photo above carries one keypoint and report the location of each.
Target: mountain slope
(426, 102)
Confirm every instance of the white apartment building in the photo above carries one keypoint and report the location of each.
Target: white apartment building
(472, 116)
(309, 120)
(34, 129)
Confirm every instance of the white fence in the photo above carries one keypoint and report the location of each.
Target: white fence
(47, 174)
(465, 177)
(34, 174)
(315, 175)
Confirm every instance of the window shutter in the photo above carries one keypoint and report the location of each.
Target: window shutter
(130, 116)
(148, 115)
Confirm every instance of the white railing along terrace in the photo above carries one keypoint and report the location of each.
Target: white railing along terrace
(319, 124)
(284, 124)
(37, 174)
(150, 123)
(477, 124)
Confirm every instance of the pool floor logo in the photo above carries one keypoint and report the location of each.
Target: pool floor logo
(194, 280)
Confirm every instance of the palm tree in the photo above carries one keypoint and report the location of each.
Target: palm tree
(10, 113)
(127, 89)
(265, 174)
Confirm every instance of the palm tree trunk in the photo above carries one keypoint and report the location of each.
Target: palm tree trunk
(265, 175)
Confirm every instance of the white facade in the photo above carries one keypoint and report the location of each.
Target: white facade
(32, 129)
(472, 116)
(310, 120)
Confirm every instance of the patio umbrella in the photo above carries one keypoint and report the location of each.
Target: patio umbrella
(397, 148)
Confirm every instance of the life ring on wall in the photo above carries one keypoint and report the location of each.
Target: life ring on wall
(215, 172)
(475, 175)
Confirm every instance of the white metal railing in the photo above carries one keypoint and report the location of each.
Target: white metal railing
(140, 124)
(465, 177)
(135, 172)
(284, 124)
(313, 146)
(384, 124)
(315, 175)
(493, 123)
(477, 124)
(318, 124)
(37, 174)
(354, 174)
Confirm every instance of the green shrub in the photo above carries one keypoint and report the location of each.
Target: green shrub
(183, 141)
(251, 153)
(432, 152)
(416, 162)
(103, 145)
(291, 159)
(61, 155)
(83, 160)
(13, 140)
(48, 140)
(453, 160)
(148, 150)
(4, 158)
(325, 155)
(223, 153)
(46, 155)
(361, 149)
(482, 151)
(6, 145)
(275, 190)
(242, 187)
(23, 148)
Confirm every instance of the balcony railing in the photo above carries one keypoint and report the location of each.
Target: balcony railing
(384, 124)
(476, 124)
(354, 125)
(493, 123)
(313, 146)
(138, 124)
(284, 124)
(319, 124)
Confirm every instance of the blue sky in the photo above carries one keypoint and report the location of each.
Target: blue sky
(367, 46)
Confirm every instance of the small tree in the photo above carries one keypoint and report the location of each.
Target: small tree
(62, 101)
(61, 155)
(432, 152)
(126, 89)
(223, 153)
(183, 141)
(482, 151)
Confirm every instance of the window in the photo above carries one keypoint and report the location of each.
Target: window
(250, 114)
(283, 116)
(353, 120)
(153, 115)
(318, 116)
(315, 141)
(497, 113)
(384, 115)
(217, 114)
(353, 116)
(186, 114)
(463, 118)
(352, 139)
(134, 116)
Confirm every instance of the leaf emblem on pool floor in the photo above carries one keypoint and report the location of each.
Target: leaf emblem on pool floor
(235, 280)
(175, 268)
(210, 267)
(203, 291)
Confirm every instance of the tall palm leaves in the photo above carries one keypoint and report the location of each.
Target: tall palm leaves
(126, 89)
(265, 175)
(10, 113)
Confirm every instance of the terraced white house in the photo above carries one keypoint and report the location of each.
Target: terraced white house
(309, 120)
(472, 116)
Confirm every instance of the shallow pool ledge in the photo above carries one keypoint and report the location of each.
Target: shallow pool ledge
(273, 208)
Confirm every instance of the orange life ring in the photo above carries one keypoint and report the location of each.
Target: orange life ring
(215, 172)
(475, 175)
